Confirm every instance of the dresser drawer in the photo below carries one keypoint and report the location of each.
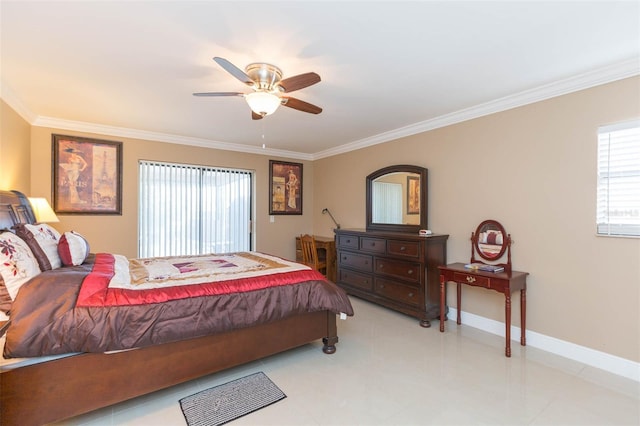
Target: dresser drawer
(355, 279)
(374, 245)
(357, 261)
(398, 292)
(348, 241)
(403, 248)
(408, 271)
(472, 279)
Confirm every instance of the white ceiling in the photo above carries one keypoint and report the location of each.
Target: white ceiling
(388, 69)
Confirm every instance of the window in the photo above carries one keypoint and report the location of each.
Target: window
(618, 209)
(388, 207)
(186, 210)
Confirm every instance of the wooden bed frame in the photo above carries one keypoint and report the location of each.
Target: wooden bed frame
(65, 387)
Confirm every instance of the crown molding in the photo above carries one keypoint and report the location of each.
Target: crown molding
(124, 132)
(608, 74)
(10, 97)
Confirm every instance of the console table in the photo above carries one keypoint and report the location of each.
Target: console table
(503, 282)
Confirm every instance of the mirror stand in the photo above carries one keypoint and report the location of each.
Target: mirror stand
(491, 242)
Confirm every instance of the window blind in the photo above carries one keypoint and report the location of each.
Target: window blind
(187, 209)
(388, 206)
(618, 199)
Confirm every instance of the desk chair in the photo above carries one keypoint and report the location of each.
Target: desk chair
(310, 254)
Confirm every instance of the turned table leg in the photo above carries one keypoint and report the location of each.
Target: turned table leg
(523, 316)
(507, 307)
(442, 302)
(459, 301)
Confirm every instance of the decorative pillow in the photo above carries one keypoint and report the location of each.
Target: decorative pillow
(73, 249)
(5, 299)
(42, 239)
(17, 263)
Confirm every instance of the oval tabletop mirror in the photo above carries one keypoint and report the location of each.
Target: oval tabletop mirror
(397, 199)
(491, 242)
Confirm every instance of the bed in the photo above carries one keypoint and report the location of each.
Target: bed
(68, 383)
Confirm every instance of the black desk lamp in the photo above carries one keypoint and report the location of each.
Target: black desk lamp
(332, 218)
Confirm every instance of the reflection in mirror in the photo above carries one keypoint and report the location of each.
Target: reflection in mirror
(397, 199)
(491, 241)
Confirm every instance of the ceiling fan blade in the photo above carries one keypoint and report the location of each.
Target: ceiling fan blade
(218, 94)
(298, 82)
(255, 116)
(234, 71)
(301, 105)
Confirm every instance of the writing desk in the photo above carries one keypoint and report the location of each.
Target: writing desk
(326, 248)
(502, 282)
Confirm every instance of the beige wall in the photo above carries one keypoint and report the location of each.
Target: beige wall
(15, 150)
(533, 169)
(118, 234)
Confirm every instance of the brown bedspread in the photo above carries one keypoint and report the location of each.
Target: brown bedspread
(46, 321)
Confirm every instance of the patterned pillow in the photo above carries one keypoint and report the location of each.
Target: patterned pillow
(73, 249)
(5, 299)
(17, 263)
(42, 239)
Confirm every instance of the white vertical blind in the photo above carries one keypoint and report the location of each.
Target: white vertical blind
(388, 205)
(186, 210)
(618, 206)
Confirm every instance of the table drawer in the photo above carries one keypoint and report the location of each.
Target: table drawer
(348, 241)
(403, 248)
(357, 261)
(398, 292)
(374, 245)
(405, 270)
(472, 279)
(356, 279)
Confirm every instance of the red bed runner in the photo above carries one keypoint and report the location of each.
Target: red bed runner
(95, 291)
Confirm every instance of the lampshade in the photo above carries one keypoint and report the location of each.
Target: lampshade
(42, 210)
(263, 103)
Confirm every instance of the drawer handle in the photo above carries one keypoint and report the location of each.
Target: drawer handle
(410, 294)
(410, 271)
(381, 285)
(471, 279)
(373, 244)
(380, 266)
(403, 248)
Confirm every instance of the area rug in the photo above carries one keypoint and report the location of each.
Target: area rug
(223, 403)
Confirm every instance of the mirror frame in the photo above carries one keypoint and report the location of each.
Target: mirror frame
(506, 244)
(403, 168)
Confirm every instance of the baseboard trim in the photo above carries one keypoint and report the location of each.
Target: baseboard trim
(611, 363)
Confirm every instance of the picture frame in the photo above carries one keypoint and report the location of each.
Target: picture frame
(87, 175)
(285, 188)
(413, 195)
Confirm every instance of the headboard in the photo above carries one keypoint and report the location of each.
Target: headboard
(14, 208)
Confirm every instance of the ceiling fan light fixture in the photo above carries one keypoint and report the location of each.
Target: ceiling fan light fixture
(263, 103)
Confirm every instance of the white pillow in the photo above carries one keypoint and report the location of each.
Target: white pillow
(43, 241)
(73, 249)
(17, 263)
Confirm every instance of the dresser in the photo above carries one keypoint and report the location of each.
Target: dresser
(396, 270)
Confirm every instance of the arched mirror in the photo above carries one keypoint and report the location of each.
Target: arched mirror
(397, 199)
(491, 242)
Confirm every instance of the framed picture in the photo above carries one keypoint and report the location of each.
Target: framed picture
(413, 195)
(285, 188)
(87, 175)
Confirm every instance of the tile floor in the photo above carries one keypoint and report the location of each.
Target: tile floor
(390, 371)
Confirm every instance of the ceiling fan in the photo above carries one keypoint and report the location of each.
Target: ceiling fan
(269, 88)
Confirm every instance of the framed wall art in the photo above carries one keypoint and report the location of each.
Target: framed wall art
(285, 188)
(87, 175)
(413, 195)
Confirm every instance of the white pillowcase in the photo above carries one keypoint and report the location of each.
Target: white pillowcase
(47, 238)
(17, 263)
(73, 249)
